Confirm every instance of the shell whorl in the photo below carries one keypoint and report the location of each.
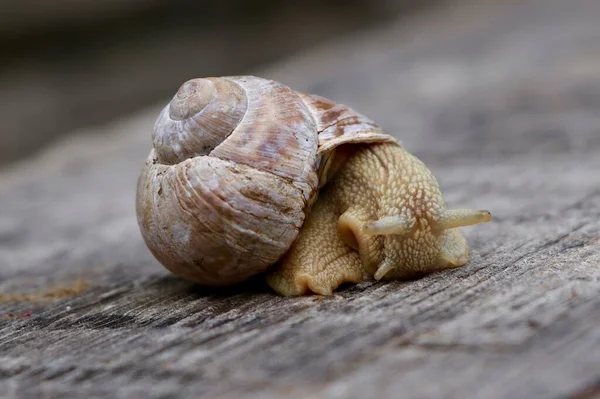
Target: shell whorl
(200, 116)
(224, 191)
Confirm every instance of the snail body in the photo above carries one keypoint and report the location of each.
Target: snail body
(247, 175)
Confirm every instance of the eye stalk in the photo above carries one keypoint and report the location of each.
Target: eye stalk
(450, 219)
(389, 225)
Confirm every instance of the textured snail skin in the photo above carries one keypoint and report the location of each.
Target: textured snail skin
(378, 181)
(246, 174)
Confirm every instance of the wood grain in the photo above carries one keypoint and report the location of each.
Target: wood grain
(501, 100)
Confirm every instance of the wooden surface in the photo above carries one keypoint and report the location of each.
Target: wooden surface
(501, 101)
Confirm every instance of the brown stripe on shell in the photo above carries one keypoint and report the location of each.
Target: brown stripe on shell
(352, 130)
(276, 135)
(339, 124)
(200, 116)
(325, 111)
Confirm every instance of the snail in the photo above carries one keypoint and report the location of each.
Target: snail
(248, 176)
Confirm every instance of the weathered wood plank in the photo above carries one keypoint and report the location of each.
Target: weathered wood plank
(500, 100)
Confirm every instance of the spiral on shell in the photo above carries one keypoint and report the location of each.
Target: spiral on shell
(199, 118)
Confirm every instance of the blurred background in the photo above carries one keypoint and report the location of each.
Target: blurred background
(68, 64)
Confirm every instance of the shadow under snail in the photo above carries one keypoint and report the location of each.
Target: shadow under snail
(248, 176)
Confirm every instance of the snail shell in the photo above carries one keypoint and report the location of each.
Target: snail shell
(236, 164)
